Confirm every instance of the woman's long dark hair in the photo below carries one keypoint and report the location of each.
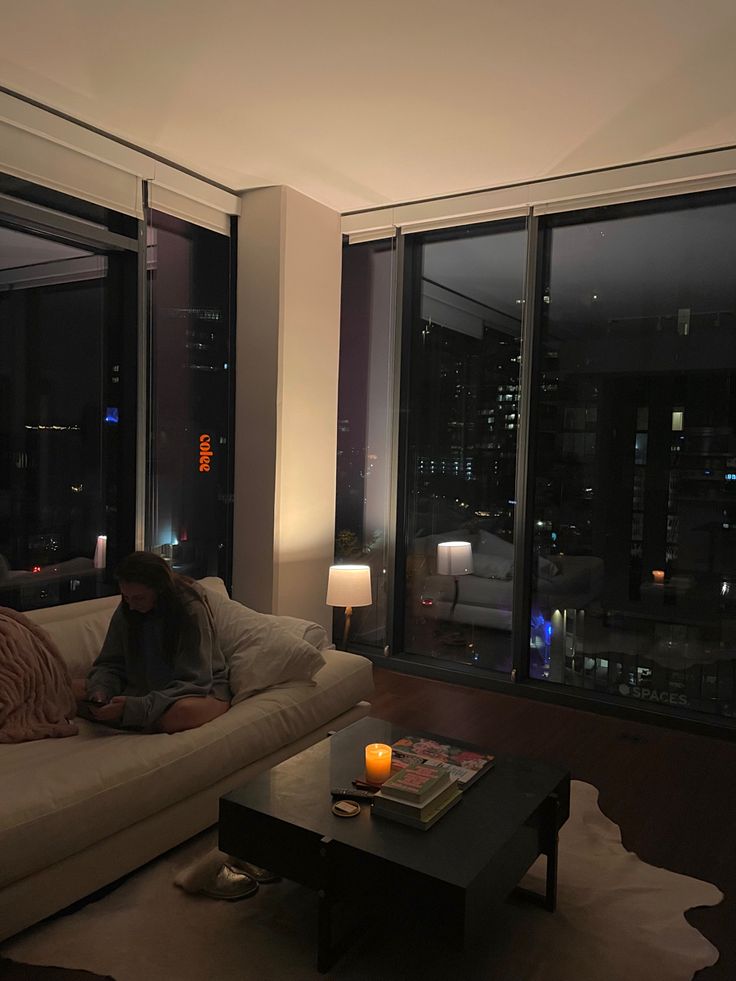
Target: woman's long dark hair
(173, 592)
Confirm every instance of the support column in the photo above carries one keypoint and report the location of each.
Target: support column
(288, 333)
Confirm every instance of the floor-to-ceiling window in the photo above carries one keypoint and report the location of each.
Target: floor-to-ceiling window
(116, 395)
(366, 428)
(462, 334)
(635, 462)
(67, 412)
(621, 448)
(190, 410)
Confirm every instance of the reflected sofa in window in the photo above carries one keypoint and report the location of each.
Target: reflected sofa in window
(485, 597)
(61, 582)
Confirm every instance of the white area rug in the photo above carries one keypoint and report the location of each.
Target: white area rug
(618, 919)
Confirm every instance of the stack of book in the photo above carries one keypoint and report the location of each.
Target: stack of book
(417, 795)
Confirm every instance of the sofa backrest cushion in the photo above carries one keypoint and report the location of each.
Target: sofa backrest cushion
(79, 638)
(261, 650)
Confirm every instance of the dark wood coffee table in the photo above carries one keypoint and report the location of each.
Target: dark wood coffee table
(474, 856)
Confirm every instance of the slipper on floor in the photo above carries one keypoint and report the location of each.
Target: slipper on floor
(229, 883)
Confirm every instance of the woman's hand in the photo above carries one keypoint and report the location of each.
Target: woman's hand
(110, 712)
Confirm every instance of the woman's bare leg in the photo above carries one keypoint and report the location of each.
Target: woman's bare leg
(190, 713)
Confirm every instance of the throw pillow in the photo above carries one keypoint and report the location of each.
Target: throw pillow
(36, 700)
(81, 638)
(261, 650)
(267, 655)
(219, 600)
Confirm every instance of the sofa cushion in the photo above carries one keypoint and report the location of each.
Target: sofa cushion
(60, 796)
(73, 611)
(79, 638)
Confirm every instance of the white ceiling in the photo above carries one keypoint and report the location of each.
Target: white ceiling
(363, 104)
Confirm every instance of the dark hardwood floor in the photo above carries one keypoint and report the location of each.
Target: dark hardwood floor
(672, 794)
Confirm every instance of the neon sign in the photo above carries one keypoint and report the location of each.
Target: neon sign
(205, 453)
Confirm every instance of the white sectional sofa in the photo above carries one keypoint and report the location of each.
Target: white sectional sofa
(79, 812)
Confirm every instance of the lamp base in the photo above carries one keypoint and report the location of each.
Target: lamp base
(454, 598)
(346, 631)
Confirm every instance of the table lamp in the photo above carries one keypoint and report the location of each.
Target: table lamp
(454, 559)
(100, 559)
(349, 586)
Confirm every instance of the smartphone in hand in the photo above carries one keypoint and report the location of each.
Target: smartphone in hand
(98, 698)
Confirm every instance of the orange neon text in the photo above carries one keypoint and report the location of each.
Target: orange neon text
(205, 453)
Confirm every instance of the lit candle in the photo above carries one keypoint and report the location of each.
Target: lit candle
(377, 763)
(658, 575)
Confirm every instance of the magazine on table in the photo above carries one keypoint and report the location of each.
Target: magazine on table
(465, 765)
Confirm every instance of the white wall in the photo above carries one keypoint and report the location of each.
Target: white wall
(288, 331)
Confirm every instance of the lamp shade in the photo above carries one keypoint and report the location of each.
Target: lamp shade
(454, 558)
(100, 559)
(349, 585)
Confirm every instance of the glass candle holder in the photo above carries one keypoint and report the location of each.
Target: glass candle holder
(377, 762)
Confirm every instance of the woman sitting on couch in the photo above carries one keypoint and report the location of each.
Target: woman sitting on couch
(160, 668)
